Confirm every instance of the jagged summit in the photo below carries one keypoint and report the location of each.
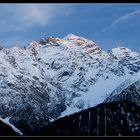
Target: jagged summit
(70, 35)
(73, 41)
(80, 40)
(70, 41)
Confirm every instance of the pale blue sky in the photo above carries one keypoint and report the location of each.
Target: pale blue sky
(108, 25)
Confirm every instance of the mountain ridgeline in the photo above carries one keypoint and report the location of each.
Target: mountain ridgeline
(55, 77)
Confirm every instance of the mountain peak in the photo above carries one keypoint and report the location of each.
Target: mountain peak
(70, 36)
(123, 51)
(79, 41)
(75, 37)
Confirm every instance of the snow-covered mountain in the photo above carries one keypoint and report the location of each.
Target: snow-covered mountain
(54, 77)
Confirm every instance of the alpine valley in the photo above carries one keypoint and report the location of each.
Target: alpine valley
(52, 85)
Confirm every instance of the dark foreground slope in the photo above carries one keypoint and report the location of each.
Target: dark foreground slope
(111, 119)
(6, 130)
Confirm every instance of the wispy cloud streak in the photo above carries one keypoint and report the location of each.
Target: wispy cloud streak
(21, 16)
(120, 19)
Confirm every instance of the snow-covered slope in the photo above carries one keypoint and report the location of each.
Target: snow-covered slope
(55, 77)
(131, 92)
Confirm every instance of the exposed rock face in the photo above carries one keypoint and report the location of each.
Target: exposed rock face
(59, 76)
(106, 119)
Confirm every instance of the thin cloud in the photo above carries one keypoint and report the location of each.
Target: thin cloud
(22, 16)
(30, 15)
(118, 20)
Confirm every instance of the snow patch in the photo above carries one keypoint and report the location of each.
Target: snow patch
(68, 111)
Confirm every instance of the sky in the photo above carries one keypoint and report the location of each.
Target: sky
(108, 24)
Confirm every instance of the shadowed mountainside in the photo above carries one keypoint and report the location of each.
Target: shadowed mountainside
(106, 119)
(6, 130)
